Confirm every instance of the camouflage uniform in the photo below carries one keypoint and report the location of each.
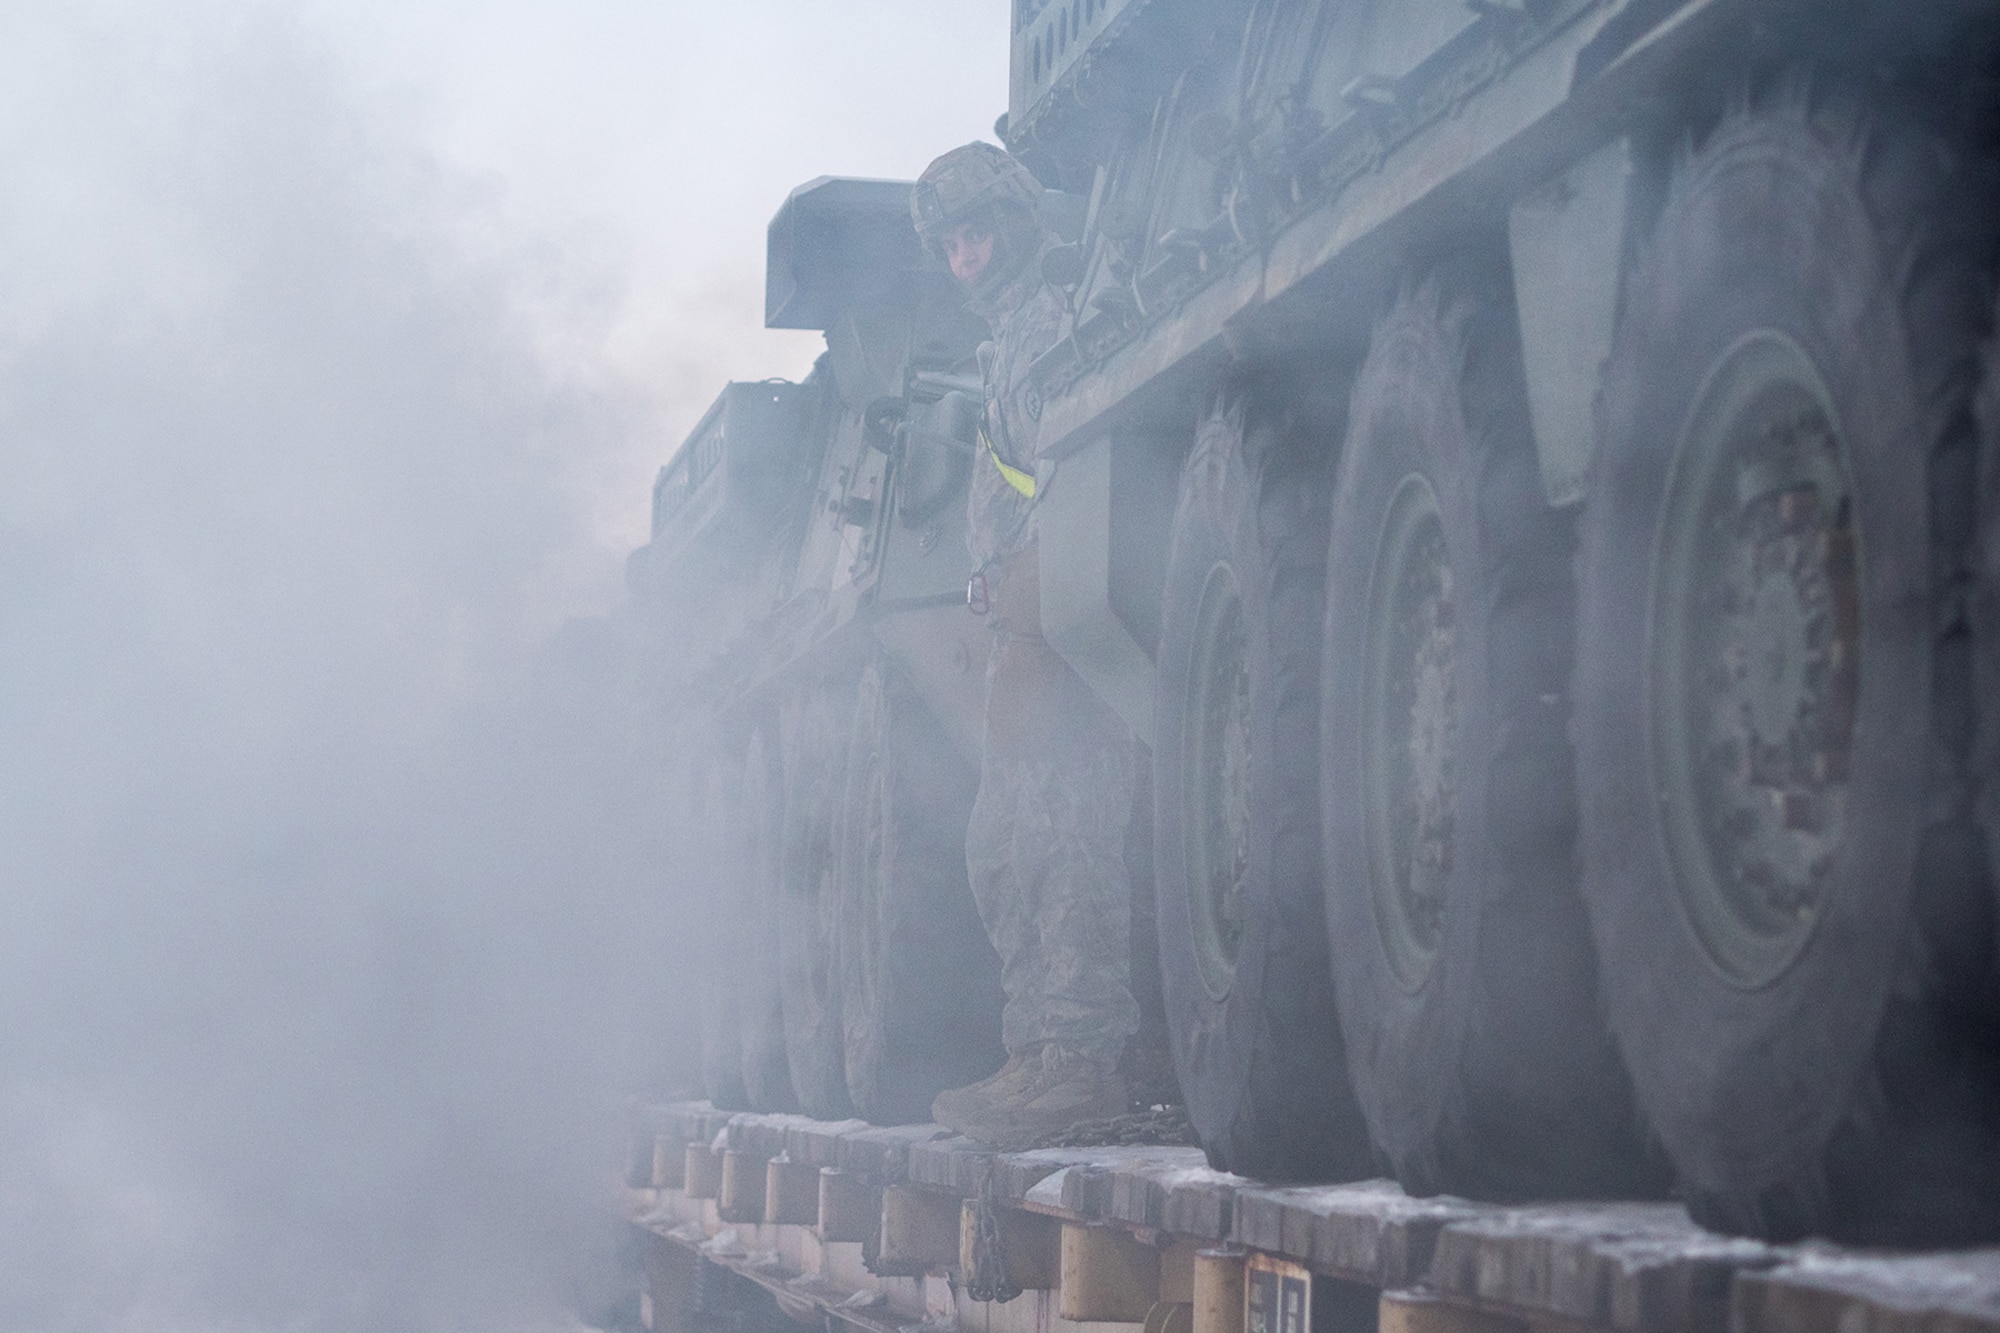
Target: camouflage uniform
(1045, 849)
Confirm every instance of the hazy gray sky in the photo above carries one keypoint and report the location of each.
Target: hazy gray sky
(656, 140)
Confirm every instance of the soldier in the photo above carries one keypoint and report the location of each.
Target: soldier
(1045, 848)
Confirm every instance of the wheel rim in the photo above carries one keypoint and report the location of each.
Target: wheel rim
(1410, 740)
(1218, 766)
(1755, 657)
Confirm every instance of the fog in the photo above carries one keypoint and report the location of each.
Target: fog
(338, 345)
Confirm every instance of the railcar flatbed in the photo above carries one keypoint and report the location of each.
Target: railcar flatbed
(864, 1229)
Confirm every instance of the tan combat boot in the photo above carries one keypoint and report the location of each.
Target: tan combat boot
(1061, 1089)
(954, 1108)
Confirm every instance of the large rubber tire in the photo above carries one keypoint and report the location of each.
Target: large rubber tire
(1148, 1063)
(920, 996)
(1236, 852)
(1461, 951)
(815, 744)
(1971, 934)
(760, 1018)
(721, 925)
(1774, 683)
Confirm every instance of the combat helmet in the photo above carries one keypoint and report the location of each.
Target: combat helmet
(966, 181)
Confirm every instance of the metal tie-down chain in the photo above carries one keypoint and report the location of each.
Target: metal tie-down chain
(988, 1280)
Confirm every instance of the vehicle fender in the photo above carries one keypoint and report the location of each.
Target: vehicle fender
(1079, 619)
(1568, 240)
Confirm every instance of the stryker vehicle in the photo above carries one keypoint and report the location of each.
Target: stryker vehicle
(807, 575)
(1527, 470)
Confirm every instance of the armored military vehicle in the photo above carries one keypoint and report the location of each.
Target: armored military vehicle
(807, 576)
(1526, 470)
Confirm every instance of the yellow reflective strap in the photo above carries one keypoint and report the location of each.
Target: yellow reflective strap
(1019, 480)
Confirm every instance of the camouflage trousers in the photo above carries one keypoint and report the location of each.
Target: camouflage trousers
(1046, 852)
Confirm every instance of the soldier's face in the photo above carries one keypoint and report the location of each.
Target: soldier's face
(968, 248)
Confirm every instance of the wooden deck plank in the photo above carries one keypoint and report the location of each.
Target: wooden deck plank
(882, 1154)
(1369, 1232)
(818, 1141)
(953, 1164)
(1823, 1288)
(1170, 1189)
(765, 1136)
(1638, 1266)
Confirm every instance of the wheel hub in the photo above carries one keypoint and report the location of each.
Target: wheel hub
(1774, 653)
(1755, 656)
(1411, 740)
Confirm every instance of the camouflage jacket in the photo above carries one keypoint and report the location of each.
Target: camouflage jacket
(1026, 316)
